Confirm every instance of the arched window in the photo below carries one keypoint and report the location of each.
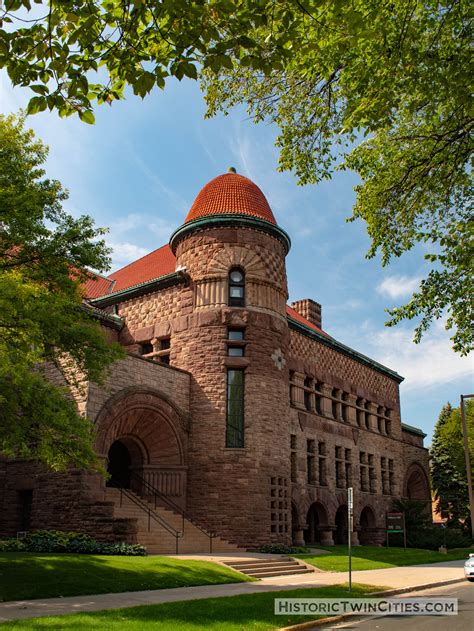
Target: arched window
(236, 287)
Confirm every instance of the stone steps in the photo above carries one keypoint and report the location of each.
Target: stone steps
(267, 568)
(155, 537)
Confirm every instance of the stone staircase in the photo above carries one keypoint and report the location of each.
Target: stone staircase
(154, 536)
(267, 568)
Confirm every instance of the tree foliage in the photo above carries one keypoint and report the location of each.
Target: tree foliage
(383, 89)
(448, 465)
(44, 256)
(72, 53)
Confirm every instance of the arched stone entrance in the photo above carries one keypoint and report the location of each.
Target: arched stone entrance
(123, 459)
(143, 439)
(317, 530)
(416, 485)
(340, 536)
(368, 529)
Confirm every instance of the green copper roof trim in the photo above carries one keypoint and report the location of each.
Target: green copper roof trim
(110, 319)
(234, 220)
(162, 282)
(413, 430)
(342, 348)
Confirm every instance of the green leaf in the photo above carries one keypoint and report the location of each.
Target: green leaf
(87, 117)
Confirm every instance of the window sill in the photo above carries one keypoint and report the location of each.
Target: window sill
(236, 362)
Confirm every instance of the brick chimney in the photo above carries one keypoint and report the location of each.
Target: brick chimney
(309, 309)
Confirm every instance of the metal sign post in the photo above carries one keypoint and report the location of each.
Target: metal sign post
(350, 512)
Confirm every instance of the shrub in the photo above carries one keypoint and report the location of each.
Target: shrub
(76, 542)
(12, 545)
(432, 538)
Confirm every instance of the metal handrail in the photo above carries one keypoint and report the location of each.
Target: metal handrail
(173, 505)
(151, 514)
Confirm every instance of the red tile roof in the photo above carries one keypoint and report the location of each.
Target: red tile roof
(158, 263)
(299, 318)
(97, 286)
(233, 194)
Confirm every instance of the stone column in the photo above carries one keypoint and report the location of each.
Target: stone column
(338, 404)
(355, 538)
(297, 392)
(372, 416)
(326, 401)
(351, 411)
(327, 538)
(298, 536)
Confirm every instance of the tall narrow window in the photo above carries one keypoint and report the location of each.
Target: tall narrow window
(322, 464)
(235, 408)
(236, 288)
(310, 461)
(293, 458)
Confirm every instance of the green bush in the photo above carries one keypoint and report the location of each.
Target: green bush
(12, 545)
(76, 542)
(432, 538)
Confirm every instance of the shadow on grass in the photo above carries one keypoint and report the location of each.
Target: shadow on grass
(372, 557)
(235, 613)
(29, 576)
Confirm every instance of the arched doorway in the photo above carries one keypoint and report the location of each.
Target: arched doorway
(151, 443)
(316, 518)
(417, 486)
(340, 536)
(367, 526)
(123, 456)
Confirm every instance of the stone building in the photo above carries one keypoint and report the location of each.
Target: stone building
(234, 417)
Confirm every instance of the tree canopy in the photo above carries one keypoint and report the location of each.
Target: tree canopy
(383, 89)
(45, 255)
(448, 465)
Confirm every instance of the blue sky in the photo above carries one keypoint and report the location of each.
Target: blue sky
(139, 168)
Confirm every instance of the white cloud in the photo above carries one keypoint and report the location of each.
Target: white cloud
(430, 363)
(132, 222)
(398, 286)
(124, 253)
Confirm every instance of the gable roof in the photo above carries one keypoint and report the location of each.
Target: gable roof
(158, 263)
(97, 286)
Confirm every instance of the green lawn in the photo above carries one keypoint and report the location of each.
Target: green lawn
(251, 612)
(24, 575)
(373, 558)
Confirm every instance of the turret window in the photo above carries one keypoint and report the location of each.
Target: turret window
(235, 408)
(236, 288)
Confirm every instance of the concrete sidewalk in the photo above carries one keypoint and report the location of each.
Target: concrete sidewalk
(399, 577)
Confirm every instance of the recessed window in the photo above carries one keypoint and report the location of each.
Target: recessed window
(235, 351)
(146, 349)
(236, 288)
(235, 342)
(235, 408)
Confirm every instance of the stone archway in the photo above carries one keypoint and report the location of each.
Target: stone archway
(317, 523)
(145, 435)
(124, 456)
(368, 526)
(340, 536)
(416, 485)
